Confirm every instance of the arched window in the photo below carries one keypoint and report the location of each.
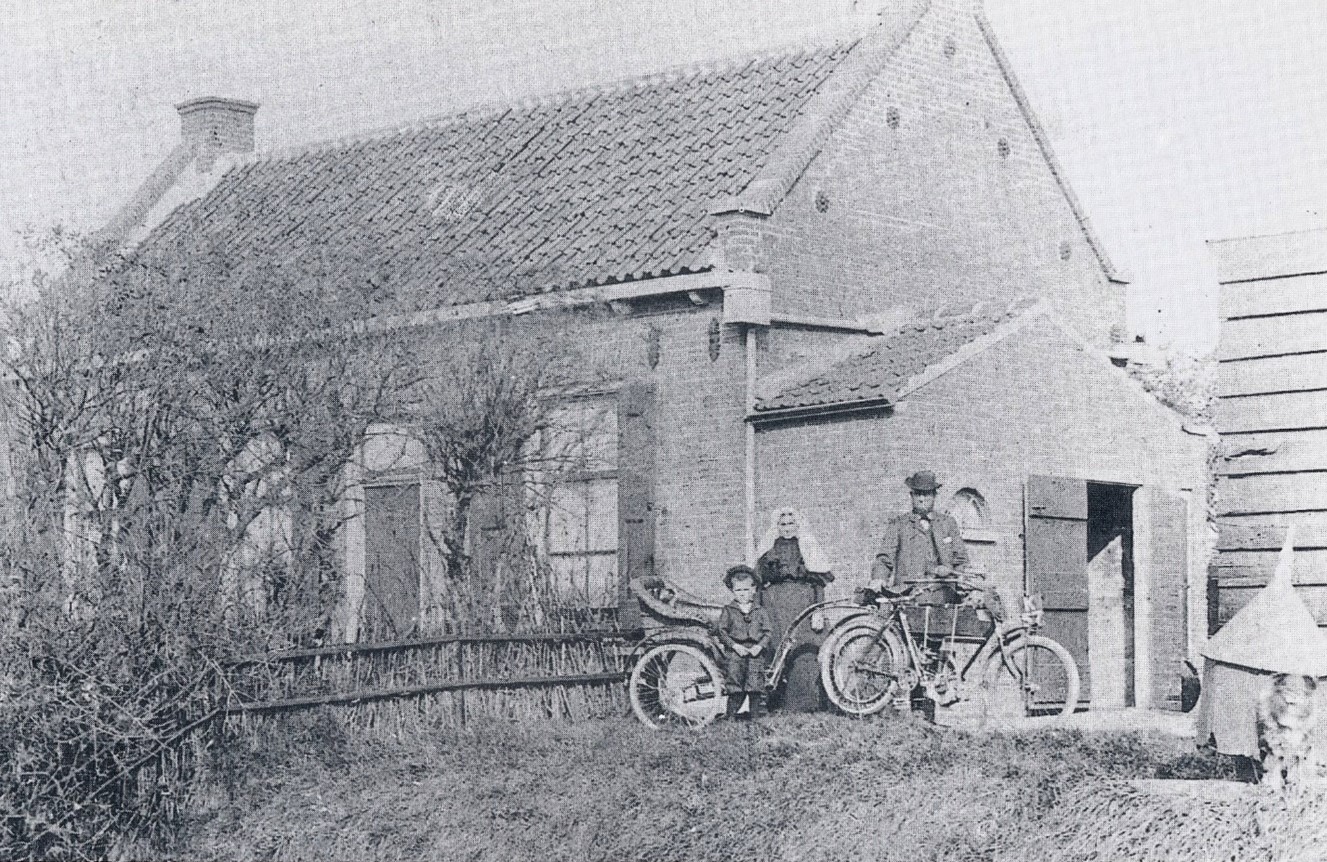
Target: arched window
(968, 507)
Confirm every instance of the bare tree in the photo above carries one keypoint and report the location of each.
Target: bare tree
(485, 416)
(166, 409)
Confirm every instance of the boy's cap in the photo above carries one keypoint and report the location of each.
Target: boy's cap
(740, 571)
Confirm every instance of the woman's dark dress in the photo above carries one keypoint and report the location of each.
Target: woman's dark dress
(788, 589)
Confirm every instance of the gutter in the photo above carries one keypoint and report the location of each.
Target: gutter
(749, 446)
(804, 411)
(841, 324)
(573, 298)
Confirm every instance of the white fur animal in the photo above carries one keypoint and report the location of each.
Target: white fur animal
(1285, 729)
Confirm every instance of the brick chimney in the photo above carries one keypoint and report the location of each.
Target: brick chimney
(211, 126)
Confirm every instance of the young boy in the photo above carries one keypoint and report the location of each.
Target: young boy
(746, 631)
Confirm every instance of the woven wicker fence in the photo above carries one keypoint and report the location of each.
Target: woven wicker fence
(446, 681)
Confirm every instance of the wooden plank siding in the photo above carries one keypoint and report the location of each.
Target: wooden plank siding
(1244, 338)
(1271, 412)
(1274, 296)
(1310, 521)
(1268, 537)
(1274, 452)
(1260, 258)
(1310, 563)
(1231, 598)
(1278, 492)
(1301, 372)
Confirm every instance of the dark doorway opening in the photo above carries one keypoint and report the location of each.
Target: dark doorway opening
(1110, 556)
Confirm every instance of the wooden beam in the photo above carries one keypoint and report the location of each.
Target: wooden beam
(1272, 336)
(1276, 296)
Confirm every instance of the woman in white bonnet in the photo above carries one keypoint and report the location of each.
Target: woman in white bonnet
(793, 573)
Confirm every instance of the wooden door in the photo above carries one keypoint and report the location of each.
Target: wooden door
(1055, 559)
(391, 562)
(1166, 535)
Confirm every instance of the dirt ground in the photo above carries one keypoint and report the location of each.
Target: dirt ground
(817, 787)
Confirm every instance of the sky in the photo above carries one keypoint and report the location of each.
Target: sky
(1177, 121)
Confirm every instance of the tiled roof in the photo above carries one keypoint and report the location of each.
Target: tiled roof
(602, 185)
(877, 372)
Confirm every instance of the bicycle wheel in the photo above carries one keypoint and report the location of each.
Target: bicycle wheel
(860, 668)
(676, 684)
(1035, 676)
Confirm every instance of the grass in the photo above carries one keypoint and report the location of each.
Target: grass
(796, 788)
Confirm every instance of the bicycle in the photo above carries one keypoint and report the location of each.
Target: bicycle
(879, 658)
(676, 675)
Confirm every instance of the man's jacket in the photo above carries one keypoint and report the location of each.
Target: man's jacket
(912, 546)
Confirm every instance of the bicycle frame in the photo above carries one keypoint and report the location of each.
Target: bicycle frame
(786, 644)
(1003, 637)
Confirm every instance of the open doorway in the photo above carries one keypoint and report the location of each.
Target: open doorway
(1110, 569)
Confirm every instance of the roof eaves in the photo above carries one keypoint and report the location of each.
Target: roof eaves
(1043, 143)
(818, 119)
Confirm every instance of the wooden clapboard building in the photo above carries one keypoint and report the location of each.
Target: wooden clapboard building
(1272, 416)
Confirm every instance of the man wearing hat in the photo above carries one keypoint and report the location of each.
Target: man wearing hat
(921, 545)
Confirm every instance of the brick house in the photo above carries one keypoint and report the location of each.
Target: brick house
(775, 237)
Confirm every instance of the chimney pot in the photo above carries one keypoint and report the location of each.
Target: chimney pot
(213, 125)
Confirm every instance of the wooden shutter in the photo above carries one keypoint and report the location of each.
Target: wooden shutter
(1168, 556)
(1056, 565)
(391, 561)
(635, 493)
(487, 520)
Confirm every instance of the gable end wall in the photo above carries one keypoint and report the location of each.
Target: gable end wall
(930, 213)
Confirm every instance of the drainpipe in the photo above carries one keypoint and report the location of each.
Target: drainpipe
(746, 303)
(750, 432)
